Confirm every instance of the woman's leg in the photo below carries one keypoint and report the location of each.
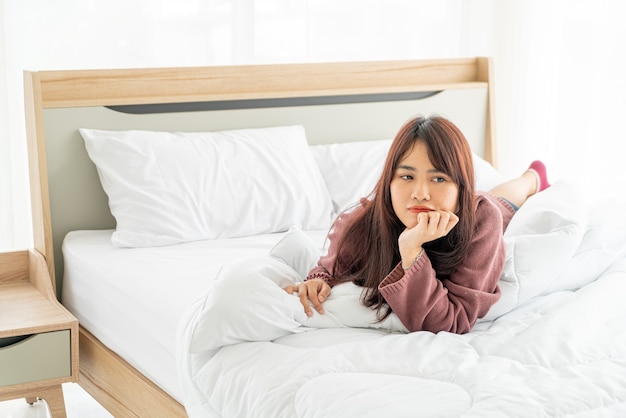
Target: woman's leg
(518, 190)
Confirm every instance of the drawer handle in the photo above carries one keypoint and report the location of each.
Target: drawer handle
(7, 341)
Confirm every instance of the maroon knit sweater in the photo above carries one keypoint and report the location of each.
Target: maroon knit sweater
(422, 301)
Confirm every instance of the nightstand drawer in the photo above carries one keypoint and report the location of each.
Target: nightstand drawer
(39, 357)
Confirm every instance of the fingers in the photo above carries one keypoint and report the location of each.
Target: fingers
(316, 304)
(436, 224)
(452, 221)
(291, 289)
(302, 294)
(444, 221)
(312, 292)
(324, 293)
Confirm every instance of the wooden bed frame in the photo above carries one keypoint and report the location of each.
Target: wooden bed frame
(114, 383)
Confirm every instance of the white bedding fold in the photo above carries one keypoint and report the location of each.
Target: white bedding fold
(558, 325)
(247, 302)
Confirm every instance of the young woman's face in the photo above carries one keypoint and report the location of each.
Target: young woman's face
(418, 186)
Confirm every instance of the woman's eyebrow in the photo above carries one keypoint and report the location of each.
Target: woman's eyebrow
(406, 167)
(411, 168)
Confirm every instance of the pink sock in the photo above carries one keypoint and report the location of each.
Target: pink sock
(540, 171)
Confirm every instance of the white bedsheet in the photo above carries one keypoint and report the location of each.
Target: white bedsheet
(132, 299)
(555, 344)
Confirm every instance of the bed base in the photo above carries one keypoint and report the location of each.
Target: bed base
(118, 386)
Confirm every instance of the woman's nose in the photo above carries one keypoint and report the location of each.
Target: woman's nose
(420, 192)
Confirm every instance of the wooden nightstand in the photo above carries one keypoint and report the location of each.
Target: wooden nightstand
(38, 336)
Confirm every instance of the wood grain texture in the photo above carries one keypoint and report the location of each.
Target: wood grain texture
(104, 373)
(14, 266)
(237, 82)
(28, 306)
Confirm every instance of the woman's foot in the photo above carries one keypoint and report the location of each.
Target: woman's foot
(539, 170)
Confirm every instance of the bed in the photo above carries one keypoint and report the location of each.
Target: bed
(278, 151)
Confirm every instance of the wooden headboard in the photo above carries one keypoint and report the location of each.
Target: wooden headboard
(335, 102)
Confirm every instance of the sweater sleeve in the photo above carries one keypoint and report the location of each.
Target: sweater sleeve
(424, 302)
(324, 268)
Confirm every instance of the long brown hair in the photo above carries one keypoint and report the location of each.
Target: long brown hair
(368, 251)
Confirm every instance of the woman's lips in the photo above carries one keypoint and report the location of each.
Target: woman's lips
(419, 209)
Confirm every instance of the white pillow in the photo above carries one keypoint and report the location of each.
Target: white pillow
(486, 176)
(352, 169)
(298, 251)
(171, 187)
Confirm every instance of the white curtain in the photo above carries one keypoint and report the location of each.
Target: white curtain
(562, 89)
(559, 64)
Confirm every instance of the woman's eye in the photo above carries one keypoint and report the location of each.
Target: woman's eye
(406, 177)
(439, 179)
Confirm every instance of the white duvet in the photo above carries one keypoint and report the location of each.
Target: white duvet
(554, 345)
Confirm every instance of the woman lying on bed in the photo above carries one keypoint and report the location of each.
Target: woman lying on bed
(426, 246)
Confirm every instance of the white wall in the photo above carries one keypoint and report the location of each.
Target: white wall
(560, 89)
